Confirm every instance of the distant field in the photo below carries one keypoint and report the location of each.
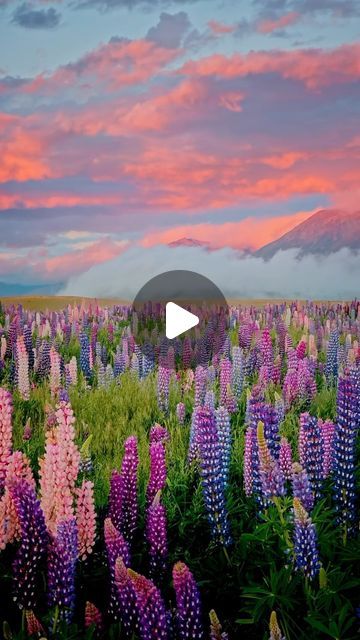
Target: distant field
(54, 303)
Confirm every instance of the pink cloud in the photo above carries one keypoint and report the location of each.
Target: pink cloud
(250, 233)
(269, 26)
(314, 67)
(219, 28)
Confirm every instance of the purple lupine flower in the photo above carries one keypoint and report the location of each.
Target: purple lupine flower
(163, 383)
(156, 534)
(188, 606)
(116, 546)
(225, 379)
(200, 385)
(237, 371)
(301, 487)
(126, 596)
(152, 613)
(62, 557)
(209, 401)
(272, 479)
(327, 432)
(344, 467)
(158, 433)
(116, 499)
(186, 353)
(285, 458)
(331, 367)
(193, 444)
(180, 412)
(224, 435)
(31, 554)
(248, 462)
(211, 471)
(157, 478)
(311, 451)
(305, 542)
(85, 355)
(129, 472)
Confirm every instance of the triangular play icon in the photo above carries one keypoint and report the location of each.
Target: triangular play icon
(178, 320)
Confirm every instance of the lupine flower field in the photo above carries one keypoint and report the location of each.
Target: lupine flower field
(167, 493)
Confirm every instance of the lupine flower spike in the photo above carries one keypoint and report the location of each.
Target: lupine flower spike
(275, 631)
(188, 616)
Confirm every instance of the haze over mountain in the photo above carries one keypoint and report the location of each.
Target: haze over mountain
(326, 232)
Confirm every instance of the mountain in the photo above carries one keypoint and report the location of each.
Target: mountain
(325, 232)
(16, 289)
(187, 242)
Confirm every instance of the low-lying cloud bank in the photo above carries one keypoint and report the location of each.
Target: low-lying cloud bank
(329, 277)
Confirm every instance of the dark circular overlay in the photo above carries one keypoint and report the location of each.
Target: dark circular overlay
(201, 345)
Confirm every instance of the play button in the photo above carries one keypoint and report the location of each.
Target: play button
(178, 320)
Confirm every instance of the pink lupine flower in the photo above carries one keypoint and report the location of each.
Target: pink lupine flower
(5, 432)
(93, 617)
(33, 625)
(86, 518)
(22, 361)
(55, 372)
(59, 469)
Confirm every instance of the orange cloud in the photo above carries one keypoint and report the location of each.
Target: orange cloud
(269, 26)
(314, 67)
(81, 260)
(250, 233)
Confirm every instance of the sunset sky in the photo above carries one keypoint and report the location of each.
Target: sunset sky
(126, 125)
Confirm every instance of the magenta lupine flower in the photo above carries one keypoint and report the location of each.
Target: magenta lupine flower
(272, 479)
(5, 432)
(157, 478)
(129, 473)
(212, 476)
(305, 542)
(344, 469)
(285, 458)
(153, 623)
(328, 431)
(116, 547)
(301, 487)
(311, 451)
(225, 379)
(180, 412)
(156, 534)
(62, 558)
(159, 433)
(31, 554)
(93, 618)
(188, 606)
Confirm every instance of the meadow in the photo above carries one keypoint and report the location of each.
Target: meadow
(180, 495)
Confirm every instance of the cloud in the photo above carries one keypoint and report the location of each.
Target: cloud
(26, 16)
(332, 277)
(170, 30)
(271, 26)
(249, 233)
(337, 8)
(315, 68)
(130, 4)
(219, 28)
